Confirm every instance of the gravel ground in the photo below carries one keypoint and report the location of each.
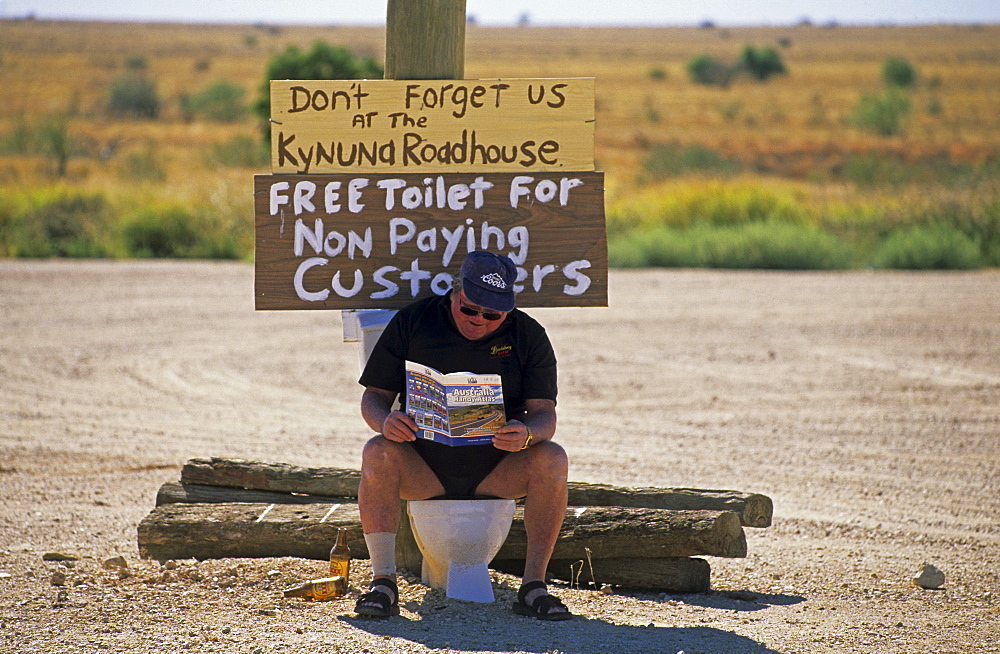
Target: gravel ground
(866, 405)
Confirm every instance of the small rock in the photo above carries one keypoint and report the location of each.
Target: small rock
(929, 577)
(59, 556)
(170, 565)
(58, 578)
(269, 612)
(5, 575)
(116, 563)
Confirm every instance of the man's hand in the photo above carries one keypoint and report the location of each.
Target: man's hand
(399, 427)
(511, 437)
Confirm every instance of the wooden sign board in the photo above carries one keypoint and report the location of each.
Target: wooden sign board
(381, 241)
(432, 126)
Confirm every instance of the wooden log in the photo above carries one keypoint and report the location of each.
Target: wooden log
(236, 473)
(754, 510)
(623, 532)
(209, 531)
(408, 555)
(173, 492)
(216, 531)
(669, 574)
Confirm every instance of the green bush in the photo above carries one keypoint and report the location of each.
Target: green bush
(136, 63)
(761, 63)
(55, 141)
(758, 63)
(173, 231)
(897, 72)
(768, 245)
(151, 233)
(54, 223)
(979, 223)
(19, 141)
(240, 152)
(673, 160)
(322, 61)
(871, 169)
(706, 69)
(142, 166)
(935, 247)
(133, 96)
(221, 102)
(884, 115)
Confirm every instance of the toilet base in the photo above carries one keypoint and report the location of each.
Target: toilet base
(465, 582)
(462, 537)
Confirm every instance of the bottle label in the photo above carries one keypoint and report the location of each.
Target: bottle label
(328, 589)
(340, 569)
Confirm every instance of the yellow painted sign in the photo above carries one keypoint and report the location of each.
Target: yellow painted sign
(432, 126)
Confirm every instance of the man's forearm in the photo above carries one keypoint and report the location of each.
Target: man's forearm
(541, 418)
(375, 408)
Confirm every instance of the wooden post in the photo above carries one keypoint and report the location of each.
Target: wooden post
(424, 39)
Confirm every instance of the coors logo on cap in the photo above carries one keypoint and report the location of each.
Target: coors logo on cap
(494, 279)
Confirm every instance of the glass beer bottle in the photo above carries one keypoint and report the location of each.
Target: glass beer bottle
(319, 589)
(340, 557)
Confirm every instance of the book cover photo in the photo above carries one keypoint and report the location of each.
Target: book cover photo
(454, 408)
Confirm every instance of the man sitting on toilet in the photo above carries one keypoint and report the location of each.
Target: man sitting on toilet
(475, 329)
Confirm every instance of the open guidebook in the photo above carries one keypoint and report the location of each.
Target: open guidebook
(459, 408)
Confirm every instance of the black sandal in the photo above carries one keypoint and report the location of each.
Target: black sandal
(542, 607)
(383, 605)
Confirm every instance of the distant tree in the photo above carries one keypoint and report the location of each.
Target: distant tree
(220, 102)
(133, 95)
(884, 115)
(706, 69)
(897, 71)
(761, 63)
(54, 140)
(322, 61)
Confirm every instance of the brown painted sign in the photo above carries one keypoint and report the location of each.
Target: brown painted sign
(432, 126)
(364, 241)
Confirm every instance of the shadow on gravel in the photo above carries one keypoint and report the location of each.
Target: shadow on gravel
(581, 635)
(738, 600)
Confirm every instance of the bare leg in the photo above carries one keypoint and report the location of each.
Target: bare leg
(390, 472)
(539, 475)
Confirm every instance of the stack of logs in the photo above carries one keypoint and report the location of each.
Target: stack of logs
(642, 538)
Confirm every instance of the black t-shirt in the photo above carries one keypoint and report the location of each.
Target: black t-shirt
(424, 332)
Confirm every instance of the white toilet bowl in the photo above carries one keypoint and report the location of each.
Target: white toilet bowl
(458, 538)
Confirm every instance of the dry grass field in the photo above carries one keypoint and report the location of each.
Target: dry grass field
(644, 95)
(792, 138)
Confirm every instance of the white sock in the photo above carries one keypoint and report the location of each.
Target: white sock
(382, 551)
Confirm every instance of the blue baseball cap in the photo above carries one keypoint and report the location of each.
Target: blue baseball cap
(488, 280)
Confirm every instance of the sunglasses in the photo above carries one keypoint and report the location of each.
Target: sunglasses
(487, 315)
